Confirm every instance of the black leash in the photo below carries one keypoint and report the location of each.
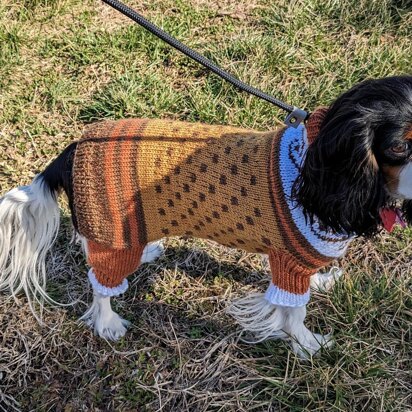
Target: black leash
(295, 116)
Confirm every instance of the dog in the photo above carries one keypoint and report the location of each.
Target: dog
(299, 195)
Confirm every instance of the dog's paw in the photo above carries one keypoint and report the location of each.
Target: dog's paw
(111, 327)
(310, 344)
(152, 251)
(103, 320)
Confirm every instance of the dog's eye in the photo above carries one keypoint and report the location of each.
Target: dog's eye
(400, 148)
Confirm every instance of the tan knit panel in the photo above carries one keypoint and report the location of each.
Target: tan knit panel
(209, 182)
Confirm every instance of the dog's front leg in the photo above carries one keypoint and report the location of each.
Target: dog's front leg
(323, 282)
(304, 342)
(264, 320)
(281, 311)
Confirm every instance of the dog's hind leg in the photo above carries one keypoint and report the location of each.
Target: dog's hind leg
(152, 251)
(109, 269)
(103, 319)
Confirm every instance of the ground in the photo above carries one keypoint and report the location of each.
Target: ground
(66, 63)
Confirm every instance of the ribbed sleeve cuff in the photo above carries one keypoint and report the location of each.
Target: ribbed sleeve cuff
(277, 296)
(104, 290)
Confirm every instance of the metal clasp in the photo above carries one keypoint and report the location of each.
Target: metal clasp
(296, 117)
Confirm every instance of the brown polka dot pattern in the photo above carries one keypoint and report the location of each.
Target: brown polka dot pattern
(223, 180)
(198, 179)
(138, 180)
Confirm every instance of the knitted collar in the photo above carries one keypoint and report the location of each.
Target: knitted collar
(315, 122)
(293, 146)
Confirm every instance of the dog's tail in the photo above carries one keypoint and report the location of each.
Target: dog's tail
(29, 223)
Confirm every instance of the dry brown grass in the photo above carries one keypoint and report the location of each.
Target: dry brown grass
(184, 353)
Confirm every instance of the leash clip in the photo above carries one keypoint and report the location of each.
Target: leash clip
(295, 117)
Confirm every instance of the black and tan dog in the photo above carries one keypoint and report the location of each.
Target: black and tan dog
(297, 196)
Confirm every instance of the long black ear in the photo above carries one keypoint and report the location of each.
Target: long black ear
(340, 183)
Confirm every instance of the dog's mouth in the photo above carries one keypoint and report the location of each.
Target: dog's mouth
(390, 217)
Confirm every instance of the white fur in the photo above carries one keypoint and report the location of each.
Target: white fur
(405, 182)
(325, 281)
(304, 342)
(152, 251)
(29, 222)
(78, 238)
(255, 314)
(105, 322)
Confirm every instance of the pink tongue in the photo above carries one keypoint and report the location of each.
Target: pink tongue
(390, 217)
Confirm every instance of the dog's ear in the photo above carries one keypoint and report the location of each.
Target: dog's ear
(340, 183)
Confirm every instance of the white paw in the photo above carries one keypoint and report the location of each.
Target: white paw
(325, 281)
(152, 251)
(310, 344)
(105, 322)
(112, 327)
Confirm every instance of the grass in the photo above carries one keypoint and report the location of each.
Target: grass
(65, 63)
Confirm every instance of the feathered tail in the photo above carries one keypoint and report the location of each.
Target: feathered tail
(29, 222)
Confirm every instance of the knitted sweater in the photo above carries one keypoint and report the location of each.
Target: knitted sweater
(139, 180)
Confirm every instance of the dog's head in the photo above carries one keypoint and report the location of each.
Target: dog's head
(361, 160)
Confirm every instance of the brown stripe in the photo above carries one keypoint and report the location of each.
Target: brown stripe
(111, 179)
(158, 138)
(291, 235)
(139, 212)
(132, 215)
(85, 186)
(129, 181)
(120, 176)
(99, 192)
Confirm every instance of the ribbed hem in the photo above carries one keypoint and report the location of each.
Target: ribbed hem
(104, 290)
(277, 296)
(288, 274)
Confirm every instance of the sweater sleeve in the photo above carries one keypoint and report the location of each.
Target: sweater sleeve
(290, 285)
(110, 267)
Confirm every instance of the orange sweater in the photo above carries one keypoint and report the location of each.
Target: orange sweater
(139, 180)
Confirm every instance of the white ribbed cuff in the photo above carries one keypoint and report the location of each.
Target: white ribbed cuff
(277, 296)
(104, 290)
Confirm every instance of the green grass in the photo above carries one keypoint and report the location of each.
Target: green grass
(65, 63)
